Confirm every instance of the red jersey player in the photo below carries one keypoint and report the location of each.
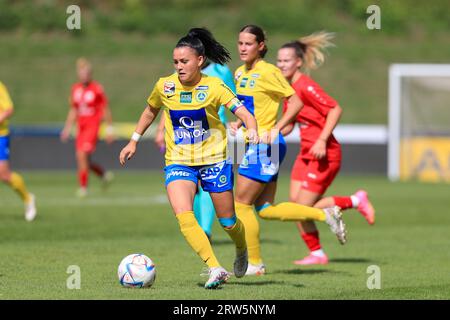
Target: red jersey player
(89, 106)
(319, 159)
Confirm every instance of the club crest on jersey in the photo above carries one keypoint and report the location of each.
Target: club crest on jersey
(252, 84)
(201, 96)
(169, 87)
(185, 97)
(243, 82)
(189, 126)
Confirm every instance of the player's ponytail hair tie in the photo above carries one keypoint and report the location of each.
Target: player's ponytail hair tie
(203, 42)
(311, 49)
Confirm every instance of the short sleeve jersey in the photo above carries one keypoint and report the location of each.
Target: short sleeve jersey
(194, 134)
(260, 90)
(5, 104)
(312, 117)
(90, 102)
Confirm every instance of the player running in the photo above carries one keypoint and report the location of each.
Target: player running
(11, 178)
(203, 207)
(89, 106)
(261, 87)
(319, 159)
(196, 145)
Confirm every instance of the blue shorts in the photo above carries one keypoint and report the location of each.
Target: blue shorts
(262, 161)
(213, 178)
(4, 148)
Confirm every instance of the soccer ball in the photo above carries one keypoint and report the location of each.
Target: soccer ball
(136, 271)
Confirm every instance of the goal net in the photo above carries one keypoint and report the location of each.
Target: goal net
(419, 122)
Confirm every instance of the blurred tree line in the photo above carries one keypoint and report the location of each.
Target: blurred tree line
(172, 16)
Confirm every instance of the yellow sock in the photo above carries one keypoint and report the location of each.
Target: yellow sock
(237, 234)
(290, 211)
(251, 225)
(18, 186)
(196, 238)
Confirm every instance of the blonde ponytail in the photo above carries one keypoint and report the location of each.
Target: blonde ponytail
(314, 47)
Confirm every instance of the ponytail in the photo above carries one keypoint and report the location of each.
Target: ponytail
(203, 42)
(311, 49)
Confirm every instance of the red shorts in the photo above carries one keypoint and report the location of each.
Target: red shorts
(87, 138)
(316, 175)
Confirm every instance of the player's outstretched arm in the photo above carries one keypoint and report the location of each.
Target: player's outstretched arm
(250, 123)
(146, 119)
(293, 108)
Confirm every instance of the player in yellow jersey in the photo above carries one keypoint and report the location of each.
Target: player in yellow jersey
(261, 87)
(196, 145)
(11, 178)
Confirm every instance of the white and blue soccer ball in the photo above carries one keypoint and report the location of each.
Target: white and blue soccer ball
(136, 271)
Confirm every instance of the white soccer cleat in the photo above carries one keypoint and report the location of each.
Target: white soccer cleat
(30, 208)
(107, 179)
(241, 264)
(255, 269)
(82, 192)
(334, 220)
(217, 276)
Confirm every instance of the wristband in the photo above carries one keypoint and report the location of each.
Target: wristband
(136, 136)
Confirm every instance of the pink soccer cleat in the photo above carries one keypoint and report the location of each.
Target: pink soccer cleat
(365, 207)
(312, 259)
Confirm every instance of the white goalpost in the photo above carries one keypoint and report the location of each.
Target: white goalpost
(419, 122)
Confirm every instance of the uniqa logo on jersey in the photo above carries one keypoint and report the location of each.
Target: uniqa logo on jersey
(190, 126)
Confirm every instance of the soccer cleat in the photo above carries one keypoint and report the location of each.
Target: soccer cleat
(82, 192)
(255, 269)
(217, 276)
(365, 207)
(312, 259)
(334, 220)
(241, 264)
(30, 208)
(107, 179)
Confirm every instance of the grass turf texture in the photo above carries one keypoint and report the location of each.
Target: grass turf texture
(408, 243)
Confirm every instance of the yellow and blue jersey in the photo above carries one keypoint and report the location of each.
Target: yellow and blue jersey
(222, 72)
(260, 90)
(194, 134)
(5, 104)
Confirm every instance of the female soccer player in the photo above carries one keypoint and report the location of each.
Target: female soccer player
(319, 159)
(196, 145)
(203, 206)
(10, 178)
(261, 87)
(89, 106)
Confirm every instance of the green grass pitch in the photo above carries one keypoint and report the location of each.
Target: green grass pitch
(409, 242)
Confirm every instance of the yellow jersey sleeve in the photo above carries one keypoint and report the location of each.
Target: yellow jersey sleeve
(154, 99)
(275, 84)
(225, 95)
(5, 99)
